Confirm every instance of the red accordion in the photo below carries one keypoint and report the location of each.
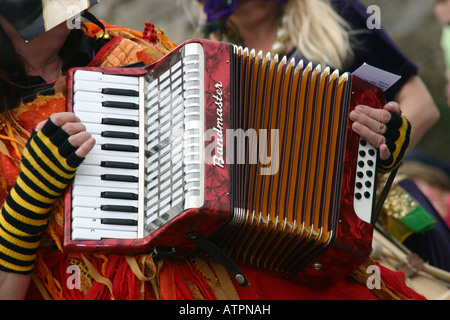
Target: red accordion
(252, 152)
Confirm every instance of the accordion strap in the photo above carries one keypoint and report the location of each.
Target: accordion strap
(383, 195)
(89, 16)
(220, 257)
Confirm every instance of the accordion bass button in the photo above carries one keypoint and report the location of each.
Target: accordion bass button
(364, 181)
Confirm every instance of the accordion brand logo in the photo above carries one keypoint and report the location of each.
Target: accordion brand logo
(218, 156)
(242, 147)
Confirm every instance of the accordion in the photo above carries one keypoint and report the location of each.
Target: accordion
(253, 153)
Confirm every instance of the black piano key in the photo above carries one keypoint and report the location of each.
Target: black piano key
(117, 164)
(121, 92)
(120, 122)
(118, 177)
(118, 208)
(119, 134)
(119, 195)
(120, 222)
(119, 147)
(120, 105)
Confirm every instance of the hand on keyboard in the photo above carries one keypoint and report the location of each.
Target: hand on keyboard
(386, 130)
(49, 162)
(72, 126)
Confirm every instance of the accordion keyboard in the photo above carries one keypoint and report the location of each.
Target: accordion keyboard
(146, 166)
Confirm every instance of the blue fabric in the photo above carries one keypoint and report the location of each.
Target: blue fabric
(434, 245)
(374, 46)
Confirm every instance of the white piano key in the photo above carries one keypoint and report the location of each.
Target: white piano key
(97, 224)
(96, 213)
(92, 213)
(94, 128)
(88, 170)
(104, 140)
(97, 106)
(96, 86)
(97, 202)
(94, 234)
(108, 153)
(96, 159)
(90, 191)
(97, 116)
(100, 97)
(98, 76)
(84, 180)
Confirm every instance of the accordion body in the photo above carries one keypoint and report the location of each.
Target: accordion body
(252, 152)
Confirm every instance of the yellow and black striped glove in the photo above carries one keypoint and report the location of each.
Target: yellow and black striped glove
(397, 140)
(48, 165)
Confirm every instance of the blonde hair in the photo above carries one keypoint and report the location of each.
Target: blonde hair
(319, 33)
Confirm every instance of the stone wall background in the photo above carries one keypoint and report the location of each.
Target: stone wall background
(410, 23)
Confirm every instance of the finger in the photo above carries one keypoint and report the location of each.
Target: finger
(78, 139)
(371, 120)
(375, 139)
(72, 128)
(40, 125)
(384, 152)
(380, 115)
(393, 107)
(84, 148)
(61, 118)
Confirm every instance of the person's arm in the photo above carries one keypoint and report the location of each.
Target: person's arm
(49, 162)
(418, 107)
(13, 286)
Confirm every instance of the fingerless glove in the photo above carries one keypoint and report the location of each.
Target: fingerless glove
(397, 140)
(48, 165)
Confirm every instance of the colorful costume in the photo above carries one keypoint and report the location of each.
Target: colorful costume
(140, 276)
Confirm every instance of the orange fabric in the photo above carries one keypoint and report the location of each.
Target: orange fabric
(167, 282)
(52, 265)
